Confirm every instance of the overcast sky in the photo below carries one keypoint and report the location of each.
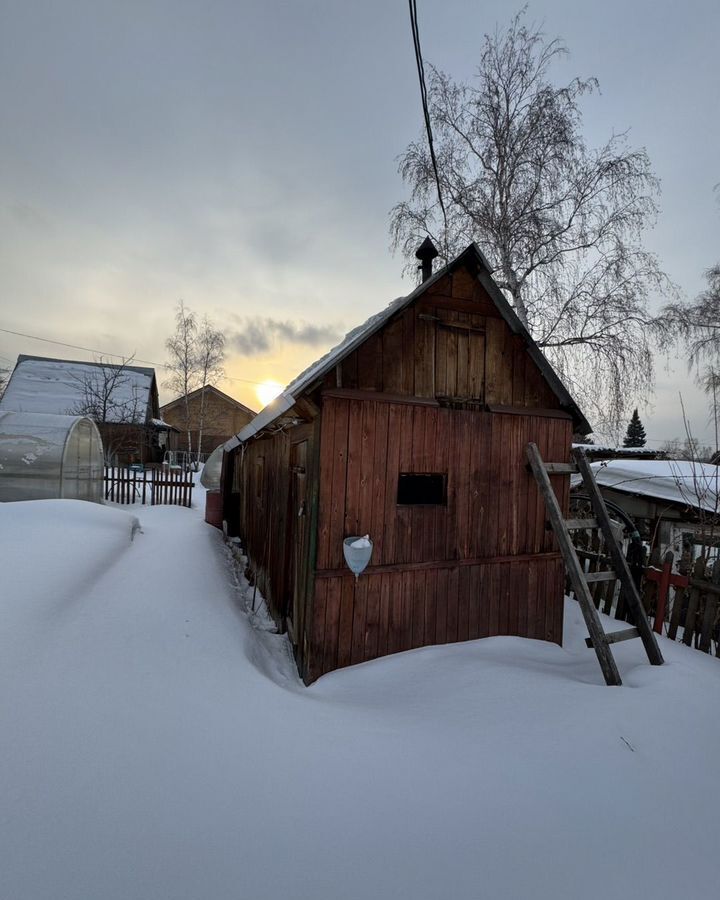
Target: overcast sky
(242, 156)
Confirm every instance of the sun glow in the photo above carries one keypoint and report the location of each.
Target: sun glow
(267, 392)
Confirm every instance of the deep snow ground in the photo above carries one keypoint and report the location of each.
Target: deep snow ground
(155, 745)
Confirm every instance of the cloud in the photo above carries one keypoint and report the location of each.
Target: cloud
(259, 335)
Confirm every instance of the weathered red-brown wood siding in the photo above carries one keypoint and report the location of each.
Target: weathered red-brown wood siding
(484, 564)
(264, 521)
(451, 344)
(445, 386)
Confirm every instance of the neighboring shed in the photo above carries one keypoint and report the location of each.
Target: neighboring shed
(221, 416)
(44, 457)
(662, 491)
(121, 399)
(413, 430)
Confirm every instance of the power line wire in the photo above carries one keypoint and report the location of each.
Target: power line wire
(426, 112)
(34, 337)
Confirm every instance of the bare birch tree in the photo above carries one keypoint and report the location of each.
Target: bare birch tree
(696, 326)
(697, 323)
(196, 357)
(560, 222)
(182, 362)
(210, 359)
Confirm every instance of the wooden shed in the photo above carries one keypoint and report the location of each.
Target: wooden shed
(413, 430)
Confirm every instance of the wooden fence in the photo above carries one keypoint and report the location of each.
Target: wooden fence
(690, 615)
(150, 486)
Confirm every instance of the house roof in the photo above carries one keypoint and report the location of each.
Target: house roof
(471, 257)
(677, 481)
(602, 451)
(210, 388)
(40, 384)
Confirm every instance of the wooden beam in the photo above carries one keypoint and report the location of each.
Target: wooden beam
(580, 524)
(468, 306)
(609, 575)
(454, 326)
(626, 634)
(529, 411)
(307, 408)
(561, 469)
(379, 396)
(427, 565)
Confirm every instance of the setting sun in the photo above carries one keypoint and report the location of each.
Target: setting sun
(267, 392)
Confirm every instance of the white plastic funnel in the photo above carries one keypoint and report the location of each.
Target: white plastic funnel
(357, 558)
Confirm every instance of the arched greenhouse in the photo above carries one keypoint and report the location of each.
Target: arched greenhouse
(45, 456)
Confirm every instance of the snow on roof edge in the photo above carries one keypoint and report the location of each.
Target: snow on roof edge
(360, 333)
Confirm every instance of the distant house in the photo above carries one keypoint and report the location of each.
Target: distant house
(222, 417)
(413, 431)
(121, 399)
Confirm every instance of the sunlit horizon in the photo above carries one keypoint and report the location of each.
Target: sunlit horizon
(268, 391)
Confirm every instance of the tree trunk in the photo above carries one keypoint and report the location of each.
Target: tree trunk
(515, 289)
(201, 423)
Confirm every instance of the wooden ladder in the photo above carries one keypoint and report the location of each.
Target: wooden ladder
(579, 578)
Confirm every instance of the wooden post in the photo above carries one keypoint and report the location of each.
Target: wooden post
(711, 605)
(650, 586)
(693, 600)
(664, 578)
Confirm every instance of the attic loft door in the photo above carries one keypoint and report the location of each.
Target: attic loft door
(298, 524)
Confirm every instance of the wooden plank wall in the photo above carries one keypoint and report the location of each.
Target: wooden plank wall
(482, 564)
(263, 521)
(452, 343)
(395, 611)
(492, 508)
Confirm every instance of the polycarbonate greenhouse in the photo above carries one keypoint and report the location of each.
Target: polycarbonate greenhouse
(45, 456)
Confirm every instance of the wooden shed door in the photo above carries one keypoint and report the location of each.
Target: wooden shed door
(298, 523)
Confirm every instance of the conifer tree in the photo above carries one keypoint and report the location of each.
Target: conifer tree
(635, 435)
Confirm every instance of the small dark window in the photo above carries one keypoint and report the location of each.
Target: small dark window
(423, 489)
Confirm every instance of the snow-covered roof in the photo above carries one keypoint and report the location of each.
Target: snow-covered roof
(353, 339)
(674, 480)
(58, 386)
(607, 448)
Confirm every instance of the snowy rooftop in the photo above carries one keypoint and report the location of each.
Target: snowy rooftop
(595, 449)
(58, 386)
(361, 333)
(675, 480)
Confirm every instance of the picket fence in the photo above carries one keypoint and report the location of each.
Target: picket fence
(153, 486)
(689, 614)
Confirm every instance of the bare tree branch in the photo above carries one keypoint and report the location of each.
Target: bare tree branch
(562, 223)
(196, 354)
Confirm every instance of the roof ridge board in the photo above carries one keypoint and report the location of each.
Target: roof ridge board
(145, 370)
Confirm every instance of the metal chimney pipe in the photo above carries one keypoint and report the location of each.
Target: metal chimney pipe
(426, 253)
